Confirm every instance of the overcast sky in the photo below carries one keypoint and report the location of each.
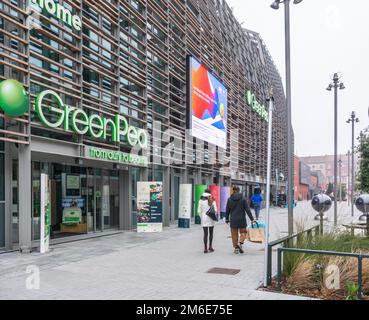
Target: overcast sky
(326, 37)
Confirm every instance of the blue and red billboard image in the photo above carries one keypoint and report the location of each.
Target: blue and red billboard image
(208, 106)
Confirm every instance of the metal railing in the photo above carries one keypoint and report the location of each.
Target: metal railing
(286, 242)
(358, 256)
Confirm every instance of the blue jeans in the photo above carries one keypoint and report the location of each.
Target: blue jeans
(257, 208)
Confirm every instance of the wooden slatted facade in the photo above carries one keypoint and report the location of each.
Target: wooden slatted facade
(130, 58)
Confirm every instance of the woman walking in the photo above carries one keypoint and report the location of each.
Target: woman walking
(207, 208)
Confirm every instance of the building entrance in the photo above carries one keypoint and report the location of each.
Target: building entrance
(83, 200)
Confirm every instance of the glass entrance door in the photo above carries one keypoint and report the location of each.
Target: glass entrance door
(94, 199)
(98, 200)
(90, 200)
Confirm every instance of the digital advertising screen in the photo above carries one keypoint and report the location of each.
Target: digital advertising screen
(208, 105)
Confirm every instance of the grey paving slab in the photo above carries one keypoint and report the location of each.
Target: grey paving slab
(169, 265)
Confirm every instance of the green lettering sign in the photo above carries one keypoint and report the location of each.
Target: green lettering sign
(78, 121)
(256, 106)
(60, 12)
(116, 156)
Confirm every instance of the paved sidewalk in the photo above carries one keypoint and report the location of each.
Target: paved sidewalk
(168, 265)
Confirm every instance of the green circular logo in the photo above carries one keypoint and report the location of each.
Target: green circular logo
(14, 99)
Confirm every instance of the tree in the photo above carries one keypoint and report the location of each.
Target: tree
(363, 176)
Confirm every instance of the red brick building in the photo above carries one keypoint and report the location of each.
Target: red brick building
(305, 184)
(325, 165)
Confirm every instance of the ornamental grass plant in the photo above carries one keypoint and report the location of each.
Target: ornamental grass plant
(307, 274)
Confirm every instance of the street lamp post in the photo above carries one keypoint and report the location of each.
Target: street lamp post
(340, 174)
(290, 152)
(269, 177)
(335, 85)
(353, 119)
(348, 177)
(277, 187)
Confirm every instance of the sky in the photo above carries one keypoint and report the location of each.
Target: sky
(327, 36)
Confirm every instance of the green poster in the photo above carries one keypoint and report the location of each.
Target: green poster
(48, 219)
(199, 190)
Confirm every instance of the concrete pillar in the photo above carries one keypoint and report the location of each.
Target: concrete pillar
(171, 202)
(25, 199)
(209, 179)
(166, 196)
(144, 174)
(221, 181)
(8, 197)
(125, 199)
(184, 177)
(198, 179)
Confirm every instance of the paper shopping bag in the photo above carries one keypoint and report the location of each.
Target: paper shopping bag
(256, 235)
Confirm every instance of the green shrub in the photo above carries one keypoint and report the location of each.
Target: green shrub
(352, 290)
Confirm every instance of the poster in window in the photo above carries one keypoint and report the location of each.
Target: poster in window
(73, 182)
(149, 206)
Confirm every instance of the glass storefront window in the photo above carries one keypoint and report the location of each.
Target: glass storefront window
(158, 175)
(2, 176)
(36, 200)
(90, 194)
(2, 224)
(98, 200)
(15, 214)
(114, 201)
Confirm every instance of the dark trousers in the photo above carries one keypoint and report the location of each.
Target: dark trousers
(257, 208)
(208, 233)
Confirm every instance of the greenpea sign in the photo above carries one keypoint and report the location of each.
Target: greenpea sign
(14, 101)
(256, 106)
(78, 121)
(57, 10)
(116, 156)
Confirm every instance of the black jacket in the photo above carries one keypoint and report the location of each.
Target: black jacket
(237, 208)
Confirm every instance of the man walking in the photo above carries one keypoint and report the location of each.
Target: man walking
(257, 200)
(237, 208)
